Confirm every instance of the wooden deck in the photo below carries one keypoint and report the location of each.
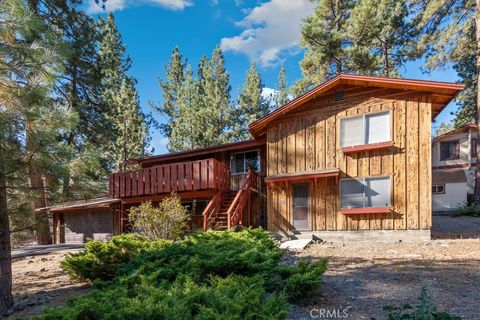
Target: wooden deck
(176, 177)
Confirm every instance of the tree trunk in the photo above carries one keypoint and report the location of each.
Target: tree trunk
(476, 191)
(6, 299)
(386, 66)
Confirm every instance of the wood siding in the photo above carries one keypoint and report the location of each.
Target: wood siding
(309, 140)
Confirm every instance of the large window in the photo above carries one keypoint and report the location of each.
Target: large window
(450, 150)
(241, 162)
(371, 192)
(365, 129)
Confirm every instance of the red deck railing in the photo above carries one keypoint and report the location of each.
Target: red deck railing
(174, 177)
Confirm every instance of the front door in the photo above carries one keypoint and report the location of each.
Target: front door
(300, 206)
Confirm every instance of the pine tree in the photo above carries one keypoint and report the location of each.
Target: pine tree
(175, 76)
(130, 128)
(187, 131)
(379, 33)
(251, 106)
(325, 39)
(214, 90)
(450, 34)
(130, 125)
(281, 97)
(30, 121)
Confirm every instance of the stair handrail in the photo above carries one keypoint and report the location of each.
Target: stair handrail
(234, 213)
(212, 207)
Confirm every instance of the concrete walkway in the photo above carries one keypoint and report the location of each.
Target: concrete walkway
(39, 250)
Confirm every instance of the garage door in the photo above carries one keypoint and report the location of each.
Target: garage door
(80, 226)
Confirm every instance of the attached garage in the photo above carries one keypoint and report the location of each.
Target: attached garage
(79, 221)
(81, 226)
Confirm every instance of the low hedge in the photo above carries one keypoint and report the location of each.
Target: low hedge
(208, 275)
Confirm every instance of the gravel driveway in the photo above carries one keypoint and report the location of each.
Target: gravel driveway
(364, 277)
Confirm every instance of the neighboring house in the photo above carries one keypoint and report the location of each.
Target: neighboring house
(453, 168)
(349, 159)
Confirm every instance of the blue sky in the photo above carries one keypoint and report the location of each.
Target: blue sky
(266, 32)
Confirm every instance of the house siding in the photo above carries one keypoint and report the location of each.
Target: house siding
(309, 140)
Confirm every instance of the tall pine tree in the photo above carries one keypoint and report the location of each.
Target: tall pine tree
(120, 99)
(30, 122)
(281, 96)
(379, 34)
(251, 106)
(325, 39)
(175, 75)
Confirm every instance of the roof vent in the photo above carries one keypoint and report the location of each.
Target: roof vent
(339, 96)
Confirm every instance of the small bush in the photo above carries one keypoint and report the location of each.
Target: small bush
(208, 275)
(426, 309)
(468, 210)
(167, 221)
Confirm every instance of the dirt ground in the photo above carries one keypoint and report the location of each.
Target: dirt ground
(361, 278)
(39, 282)
(364, 277)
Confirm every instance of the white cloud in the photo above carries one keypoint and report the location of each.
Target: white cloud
(115, 5)
(270, 29)
(159, 145)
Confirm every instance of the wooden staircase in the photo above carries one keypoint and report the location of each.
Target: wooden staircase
(219, 221)
(225, 210)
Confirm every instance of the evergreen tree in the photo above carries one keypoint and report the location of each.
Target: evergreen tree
(30, 121)
(131, 128)
(214, 90)
(379, 33)
(175, 76)
(449, 34)
(281, 97)
(187, 130)
(444, 127)
(251, 106)
(120, 98)
(325, 39)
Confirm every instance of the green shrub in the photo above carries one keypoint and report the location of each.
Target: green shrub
(208, 275)
(426, 309)
(104, 260)
(168, 220)
(468, 210)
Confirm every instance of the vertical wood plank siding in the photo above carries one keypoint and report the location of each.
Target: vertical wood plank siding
(309, 140)
(175, 177)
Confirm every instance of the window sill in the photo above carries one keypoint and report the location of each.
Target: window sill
(365, 210)
(367, 147)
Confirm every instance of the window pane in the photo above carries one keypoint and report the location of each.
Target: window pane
(237, 163)
(377, 192)
(351, 132)
(252, 160)
(378, 127)
(450, 150)
(352, 192)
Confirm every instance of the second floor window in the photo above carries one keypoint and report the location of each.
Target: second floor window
(365, 129)
(450, 150)
(241, 162)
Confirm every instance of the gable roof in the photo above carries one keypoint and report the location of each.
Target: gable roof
(444, 93)
(465, 128)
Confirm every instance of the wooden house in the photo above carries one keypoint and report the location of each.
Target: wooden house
(350, 159)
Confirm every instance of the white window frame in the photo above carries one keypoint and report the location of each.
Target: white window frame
(362, 180)
(364, 116)
(435, 186)
(245, 162)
